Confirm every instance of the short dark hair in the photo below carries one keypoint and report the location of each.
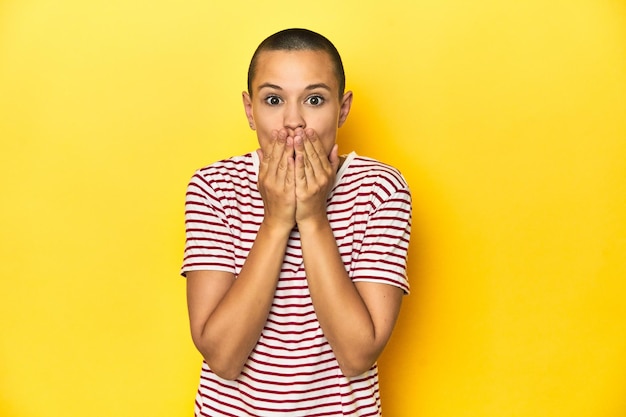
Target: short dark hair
(299, 40)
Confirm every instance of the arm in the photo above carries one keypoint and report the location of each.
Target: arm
(357, 318)
(226, 314)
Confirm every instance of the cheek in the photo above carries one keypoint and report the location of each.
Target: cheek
(326, 129)
(263, 138)
(263, 128)
(328, 138)
(263, 118)
(326, 123)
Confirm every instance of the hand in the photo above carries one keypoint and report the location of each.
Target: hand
(277, 180)
(315, 173)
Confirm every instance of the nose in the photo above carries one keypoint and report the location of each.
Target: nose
(293, 117)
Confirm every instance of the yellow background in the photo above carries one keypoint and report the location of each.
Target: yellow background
(508, 119)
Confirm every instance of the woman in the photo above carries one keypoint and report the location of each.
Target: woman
(295, 256)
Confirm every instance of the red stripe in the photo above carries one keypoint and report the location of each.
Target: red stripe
(369, 211)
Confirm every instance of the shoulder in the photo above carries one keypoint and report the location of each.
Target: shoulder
(241, 165)
(233, 169)
(369, 172)
(223, 178)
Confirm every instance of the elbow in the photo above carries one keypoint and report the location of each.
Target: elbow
(355, 367)
(354, 362)
(229, 373)
(224, 367)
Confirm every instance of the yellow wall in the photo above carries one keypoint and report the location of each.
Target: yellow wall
(508, 119)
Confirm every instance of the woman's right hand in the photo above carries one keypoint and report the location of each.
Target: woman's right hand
(277, 180)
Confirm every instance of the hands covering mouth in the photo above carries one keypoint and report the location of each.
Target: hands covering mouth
(295, 177)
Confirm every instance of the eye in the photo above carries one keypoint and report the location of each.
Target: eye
(273, 100)
(315, 100)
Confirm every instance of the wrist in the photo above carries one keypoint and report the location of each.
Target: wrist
(313, 224)
(275, 227)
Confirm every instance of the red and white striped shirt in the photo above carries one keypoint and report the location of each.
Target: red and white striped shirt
(292, 370)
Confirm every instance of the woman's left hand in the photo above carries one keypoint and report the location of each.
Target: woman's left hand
(315, 172)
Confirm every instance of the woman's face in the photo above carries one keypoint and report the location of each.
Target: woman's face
(296, 89)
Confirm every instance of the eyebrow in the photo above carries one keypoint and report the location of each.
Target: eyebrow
(318, 85)
(308, 87)
(269, 85)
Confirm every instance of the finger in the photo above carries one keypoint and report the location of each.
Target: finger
(300, 173)
(334, 158)
(285, 161)
(298, 143)
(314, 150)
(275, 159)
(267, 151)
(290, 174)
(302, 158)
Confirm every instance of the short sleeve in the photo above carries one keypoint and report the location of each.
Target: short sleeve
(382, 257)
(209, 242)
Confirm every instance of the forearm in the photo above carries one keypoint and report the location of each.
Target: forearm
(341, 311)
(233, 328)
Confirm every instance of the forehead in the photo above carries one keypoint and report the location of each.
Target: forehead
(295, 67)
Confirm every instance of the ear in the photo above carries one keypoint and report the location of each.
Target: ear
(344, 110)
(247, 106)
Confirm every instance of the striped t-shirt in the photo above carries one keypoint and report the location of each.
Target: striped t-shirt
(292, 370)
